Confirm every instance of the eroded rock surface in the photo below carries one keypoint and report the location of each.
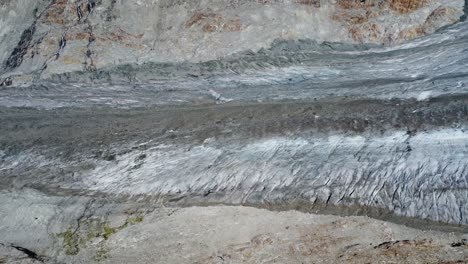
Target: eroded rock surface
(46, 37)
(94, 230)
(117, 115)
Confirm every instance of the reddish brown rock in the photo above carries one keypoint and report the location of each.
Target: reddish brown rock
(211, 22)
(406, 6)
(197, 18)
(352, 4)
(124, 31)
(366, 20)
(411, 33)
(438, 18)
(371, 32)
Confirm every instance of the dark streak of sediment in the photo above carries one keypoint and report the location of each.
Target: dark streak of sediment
(367, 117)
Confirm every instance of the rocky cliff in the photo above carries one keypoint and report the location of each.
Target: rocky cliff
(56, 36)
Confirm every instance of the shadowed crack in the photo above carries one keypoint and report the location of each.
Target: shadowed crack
(7, 82)
(465, 11)
(89, 60)
(16, 57)
(30, 254)
(79, 13)
(90, 6)
(62, 44)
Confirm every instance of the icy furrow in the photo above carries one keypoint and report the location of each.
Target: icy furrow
(421, 176)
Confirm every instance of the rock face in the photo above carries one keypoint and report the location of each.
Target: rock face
(117, 115)
(209, 235)
(46, 37)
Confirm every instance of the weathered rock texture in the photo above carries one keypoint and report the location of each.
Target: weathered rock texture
(206, 235)
(111, 112)
(44, 37)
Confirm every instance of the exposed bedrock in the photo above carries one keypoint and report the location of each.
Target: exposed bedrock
(109, 32)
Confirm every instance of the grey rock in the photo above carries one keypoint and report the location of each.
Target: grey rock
(115, 116)
(138, 32)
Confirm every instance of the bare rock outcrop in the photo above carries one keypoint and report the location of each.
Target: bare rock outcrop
(47, 37)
